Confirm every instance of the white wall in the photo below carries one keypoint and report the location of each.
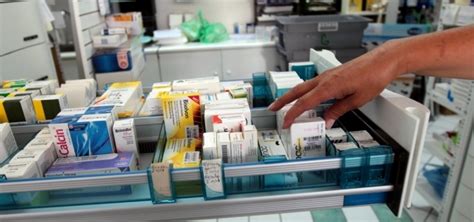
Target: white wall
(225, 11)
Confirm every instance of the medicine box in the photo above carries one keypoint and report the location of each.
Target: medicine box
(125, 136)
(42, 158)
(96, 164)
(42, 143)
(271, 146)
(113, 60)
(48, 106)
(132, 21)
(204, 85)
(228, 123)
(43, 133)
(17, 110)
(182, 153)
(82, 135)
(226, 109)
(51, 85)
(182, 114)
(125, 96)
(76, 95)
(250, 135)
(209, 146)
(239, 149)
(305, 70)
(8, 144)
(336, 135)
(42, 89)
(109, 41)
(224, 146)
(113, 31)
(307, 139)
(152, 106)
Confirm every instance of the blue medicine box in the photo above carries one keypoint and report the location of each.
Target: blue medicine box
(112, 60)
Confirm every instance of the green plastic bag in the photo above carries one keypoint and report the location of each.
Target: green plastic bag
(214, 33)
(200, 29)
(192, 28)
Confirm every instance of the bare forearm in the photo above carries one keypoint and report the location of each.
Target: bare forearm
(444, 54)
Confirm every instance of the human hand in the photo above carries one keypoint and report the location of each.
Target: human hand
(352, 85)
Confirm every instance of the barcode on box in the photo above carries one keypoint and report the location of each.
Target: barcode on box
(312, 139)
(192, 131)
(191, 157)
(312, 143)
(225, 154)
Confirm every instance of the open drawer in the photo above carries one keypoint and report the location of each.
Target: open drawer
(392, 120)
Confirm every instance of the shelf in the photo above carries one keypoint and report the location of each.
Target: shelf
(428, 193)
(436, 149)
(441, 100)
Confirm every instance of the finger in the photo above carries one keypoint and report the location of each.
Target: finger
(339, 108)
(293, 94)
(308, 101)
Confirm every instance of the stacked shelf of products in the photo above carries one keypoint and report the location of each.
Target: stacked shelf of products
(286, 170)
(456, 96)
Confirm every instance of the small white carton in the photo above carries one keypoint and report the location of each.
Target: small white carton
(223, 146)
(209, 146)
(238, 147)
(8, 144)
(125, 136)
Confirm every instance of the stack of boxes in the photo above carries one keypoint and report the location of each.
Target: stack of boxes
(298, 34)
(29, 102)
(119, 49)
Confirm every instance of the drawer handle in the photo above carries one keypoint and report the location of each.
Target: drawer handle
(29, 38)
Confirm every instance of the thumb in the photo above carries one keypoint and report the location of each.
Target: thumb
(338, 109)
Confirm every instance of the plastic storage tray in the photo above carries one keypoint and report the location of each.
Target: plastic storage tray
(304, 32)
(316, 173)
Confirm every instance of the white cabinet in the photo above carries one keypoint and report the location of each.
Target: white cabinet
(227, 63)
(241, 63)
(190, 64)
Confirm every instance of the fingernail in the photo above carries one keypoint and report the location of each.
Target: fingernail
(271, 106)
(329, 123)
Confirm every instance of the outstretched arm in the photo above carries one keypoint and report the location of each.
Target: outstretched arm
(444, 54)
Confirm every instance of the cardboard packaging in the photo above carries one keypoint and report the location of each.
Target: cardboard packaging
(96, 164)
(48, 106)
(182, 153)
(204, 85)
(125, 136)
(17, 110)
(182, 114)
(8, 144)
(125, 96)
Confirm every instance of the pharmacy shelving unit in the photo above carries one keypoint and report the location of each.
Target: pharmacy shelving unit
(384, 118)
(450, 15)
(87, 21)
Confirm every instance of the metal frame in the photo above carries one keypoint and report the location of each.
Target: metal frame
(177, 175)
